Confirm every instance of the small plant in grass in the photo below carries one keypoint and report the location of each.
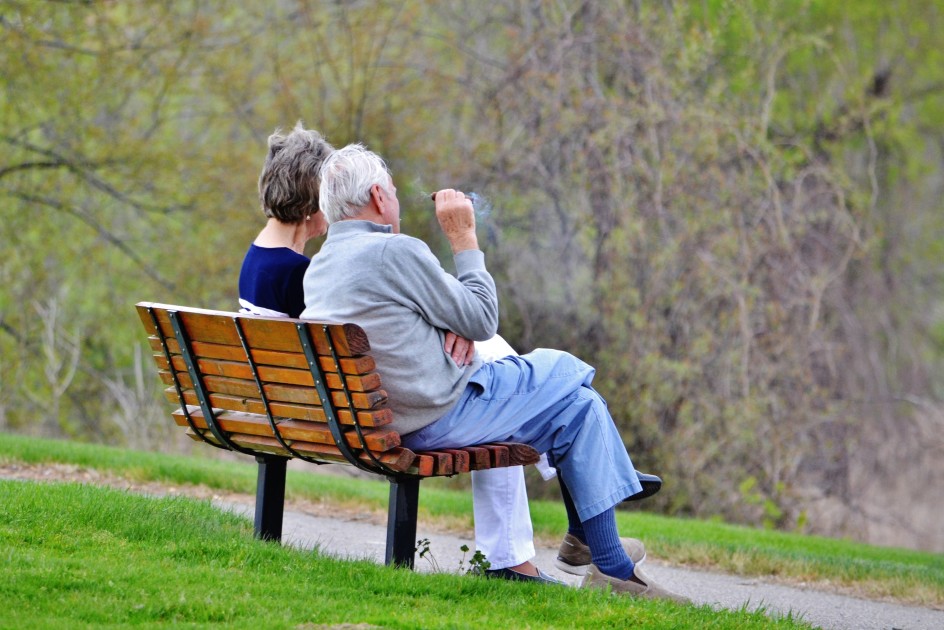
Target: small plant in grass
(424, 551)
(478, 563)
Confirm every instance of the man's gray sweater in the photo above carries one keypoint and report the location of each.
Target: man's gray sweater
(396, 290)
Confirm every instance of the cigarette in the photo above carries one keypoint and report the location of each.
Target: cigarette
(467, 196)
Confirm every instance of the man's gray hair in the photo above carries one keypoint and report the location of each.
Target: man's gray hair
(289, 182)
(346, 179)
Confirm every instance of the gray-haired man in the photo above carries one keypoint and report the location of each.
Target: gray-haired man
(400, 294)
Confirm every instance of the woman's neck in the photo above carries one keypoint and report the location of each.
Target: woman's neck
(278, 234)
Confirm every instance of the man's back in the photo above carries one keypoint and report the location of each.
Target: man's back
(393, 287)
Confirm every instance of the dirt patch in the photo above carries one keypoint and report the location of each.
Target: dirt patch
(71, 473)
(51, 472)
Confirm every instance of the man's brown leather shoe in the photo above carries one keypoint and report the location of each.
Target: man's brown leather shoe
(574, 556)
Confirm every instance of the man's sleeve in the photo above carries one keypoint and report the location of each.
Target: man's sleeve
(466, 304)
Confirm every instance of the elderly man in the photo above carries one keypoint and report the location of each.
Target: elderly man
(405, 301)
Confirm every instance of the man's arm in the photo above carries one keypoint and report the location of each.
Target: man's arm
(466, 304)
(456, 217)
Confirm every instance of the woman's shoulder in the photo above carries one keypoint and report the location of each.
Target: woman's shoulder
(275, 256)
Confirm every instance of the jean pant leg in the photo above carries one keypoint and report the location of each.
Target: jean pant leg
(589, 455)
(503, 531)
(543, 399)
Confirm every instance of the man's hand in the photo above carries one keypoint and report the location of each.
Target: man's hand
(461, 350)
(457, 219)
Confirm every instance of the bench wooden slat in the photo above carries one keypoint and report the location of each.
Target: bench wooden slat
(498, 456)
(265, 333)
(318, 433)
(479, 458)
(281, 393)
(349, 365)
(371, 418)
(460, 459)
(520, 454)
(442, 463)
(269, 374)
(422, 466)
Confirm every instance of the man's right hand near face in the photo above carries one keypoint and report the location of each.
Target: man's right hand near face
(456, 217)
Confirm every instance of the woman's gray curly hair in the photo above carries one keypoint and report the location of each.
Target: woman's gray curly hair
(290, 178)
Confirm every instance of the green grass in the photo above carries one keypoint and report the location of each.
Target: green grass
(79, 556)
(903, 575)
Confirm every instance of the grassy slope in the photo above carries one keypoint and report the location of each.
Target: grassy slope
(85, 556)
(904, 575)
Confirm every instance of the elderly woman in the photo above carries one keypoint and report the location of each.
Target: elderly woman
(270, 282)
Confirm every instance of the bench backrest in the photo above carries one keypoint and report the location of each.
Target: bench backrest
(275, 385)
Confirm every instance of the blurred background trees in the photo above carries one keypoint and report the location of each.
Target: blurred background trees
(733, 210)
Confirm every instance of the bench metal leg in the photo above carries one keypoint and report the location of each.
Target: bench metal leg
(270, 497)
(401, 521)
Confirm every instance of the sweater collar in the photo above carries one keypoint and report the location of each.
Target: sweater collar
(356, 226)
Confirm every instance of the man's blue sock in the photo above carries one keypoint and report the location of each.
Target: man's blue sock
(605, 545)
(574, 527)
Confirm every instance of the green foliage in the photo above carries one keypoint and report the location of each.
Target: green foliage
(478, 563)
(731, 209)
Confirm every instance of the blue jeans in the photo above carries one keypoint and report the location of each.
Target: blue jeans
(543, 399)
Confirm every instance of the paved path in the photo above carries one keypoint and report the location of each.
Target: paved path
(333, 535)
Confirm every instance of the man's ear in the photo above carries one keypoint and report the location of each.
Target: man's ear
(378, 197)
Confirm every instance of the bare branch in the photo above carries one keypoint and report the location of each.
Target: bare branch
(82, 169)
(99, 229)
(27, 166)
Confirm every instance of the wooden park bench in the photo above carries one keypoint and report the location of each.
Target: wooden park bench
(279, 388)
